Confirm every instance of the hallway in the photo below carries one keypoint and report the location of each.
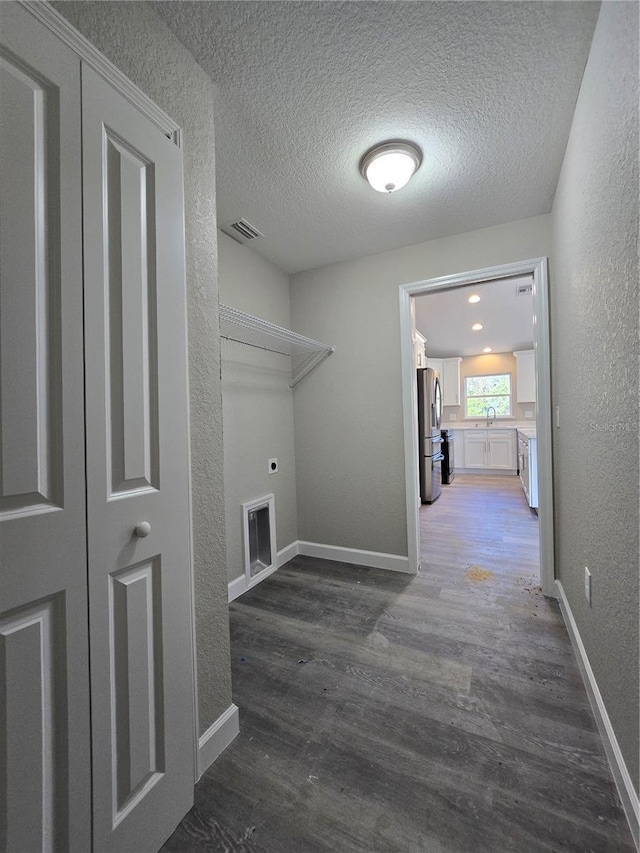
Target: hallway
(382, 713)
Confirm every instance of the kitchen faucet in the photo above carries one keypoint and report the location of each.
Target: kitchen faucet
(491, 408)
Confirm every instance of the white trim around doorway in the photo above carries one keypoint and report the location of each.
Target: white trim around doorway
(537, 268)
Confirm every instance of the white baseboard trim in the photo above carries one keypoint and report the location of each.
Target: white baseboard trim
(217, 738)
(356, 557)
(626, 790)
(239, 585)
(288, 553)
(353, 556)
(236, 587)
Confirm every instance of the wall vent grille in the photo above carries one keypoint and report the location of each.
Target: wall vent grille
(241, 231)
(524, 289)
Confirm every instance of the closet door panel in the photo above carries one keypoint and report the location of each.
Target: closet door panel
(29, 328)
(44, 678)
(137, 475)
(132, 331)
(29, 746)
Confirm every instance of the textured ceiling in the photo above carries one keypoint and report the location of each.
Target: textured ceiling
(445, 319)
(486, 89)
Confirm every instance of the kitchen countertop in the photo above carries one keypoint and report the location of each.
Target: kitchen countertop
(523, 426)
(530, 433)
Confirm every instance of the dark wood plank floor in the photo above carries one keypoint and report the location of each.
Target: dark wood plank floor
(387, 714)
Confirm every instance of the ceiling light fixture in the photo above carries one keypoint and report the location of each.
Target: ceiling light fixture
(477, 326)
(475, 298)
(390, 165)
(487, 349)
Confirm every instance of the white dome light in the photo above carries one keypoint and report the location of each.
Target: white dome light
(389, 166)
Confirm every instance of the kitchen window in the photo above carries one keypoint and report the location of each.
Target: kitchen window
(480, 392)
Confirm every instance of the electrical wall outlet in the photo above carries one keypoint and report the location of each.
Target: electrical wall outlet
(587, 585)
(528, 415)
(273, 466)
(453, 417)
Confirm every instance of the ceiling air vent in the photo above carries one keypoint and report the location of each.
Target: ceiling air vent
(241, 231)
(524, 289)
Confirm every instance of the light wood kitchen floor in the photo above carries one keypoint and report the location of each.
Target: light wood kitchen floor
(387, 714)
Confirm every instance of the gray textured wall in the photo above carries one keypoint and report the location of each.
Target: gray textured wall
(134, 38)
(257, 402)
(594, 287)
(348, 412)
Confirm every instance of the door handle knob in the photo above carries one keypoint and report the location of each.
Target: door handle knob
(142, 530)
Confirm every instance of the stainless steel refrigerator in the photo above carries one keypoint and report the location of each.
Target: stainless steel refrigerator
(429, 438)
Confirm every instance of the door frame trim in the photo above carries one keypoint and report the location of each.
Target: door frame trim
(88, 53)
(538, 269)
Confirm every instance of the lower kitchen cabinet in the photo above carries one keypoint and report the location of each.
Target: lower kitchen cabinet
(501, 449)
(475, 448)
(490, 449)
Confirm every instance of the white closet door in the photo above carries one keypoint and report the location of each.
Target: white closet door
(44, 677)
(142, 680)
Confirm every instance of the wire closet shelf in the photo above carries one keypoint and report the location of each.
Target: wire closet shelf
(246, 329)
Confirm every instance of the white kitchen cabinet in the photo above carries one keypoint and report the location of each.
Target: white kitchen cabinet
(501, 449)
(436, 364)
(449, 373)
(490, 449)
(475, 448)
(451, 381)
(420, 359)
(525, 376)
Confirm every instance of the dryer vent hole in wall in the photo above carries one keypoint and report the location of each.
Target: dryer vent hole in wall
(259, 540)
(259, 523)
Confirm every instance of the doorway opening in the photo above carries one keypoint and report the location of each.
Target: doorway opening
(471, 395)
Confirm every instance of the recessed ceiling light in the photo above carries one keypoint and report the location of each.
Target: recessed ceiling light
(477, 326)
(473, 299)
(390, 165)
(487, 349)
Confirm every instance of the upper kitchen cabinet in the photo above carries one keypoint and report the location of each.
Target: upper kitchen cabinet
(451, 381)
(525, 376)
(436, 364)
(449, 373)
